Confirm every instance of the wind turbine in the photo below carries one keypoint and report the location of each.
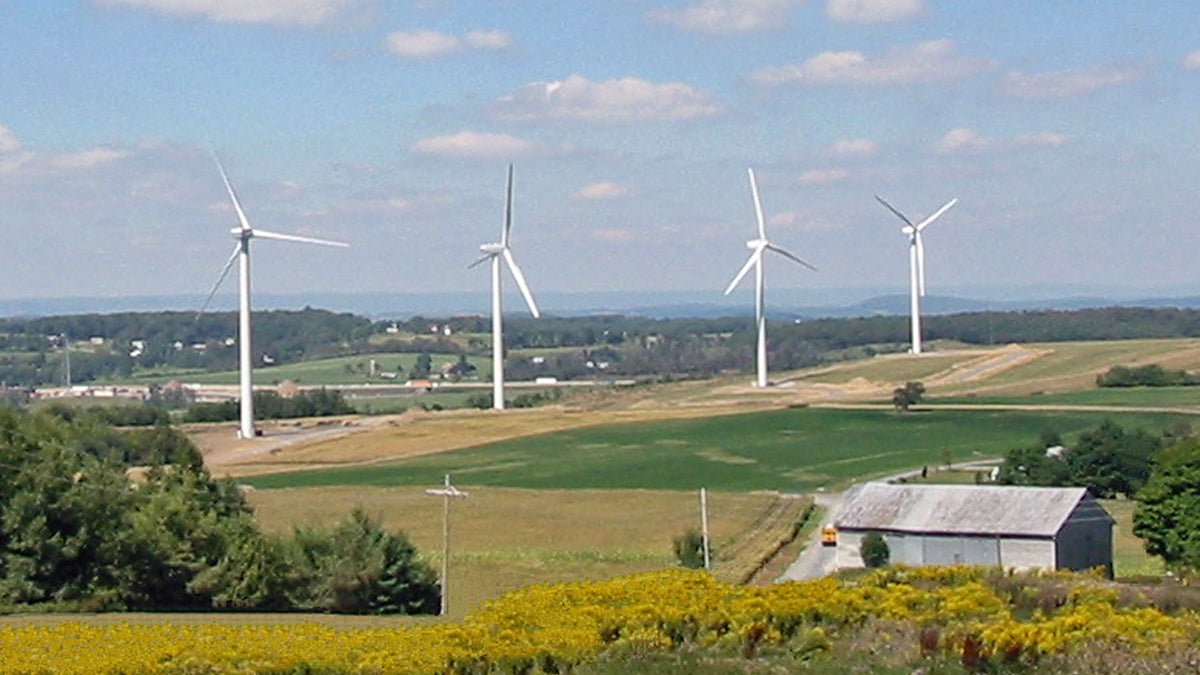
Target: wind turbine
(916, 264)
(494, 252)
(243, 233)
(758, 248)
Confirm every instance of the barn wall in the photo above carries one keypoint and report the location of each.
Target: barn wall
(848, 546)
(1023, 554)
(1085, 540)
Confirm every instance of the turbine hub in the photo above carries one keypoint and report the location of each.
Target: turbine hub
(240, 233)
(755, 244)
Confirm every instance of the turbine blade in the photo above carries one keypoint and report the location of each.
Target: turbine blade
(758, 212)
(754, 258)
(481, 260)
(937, 214)
(788, 254)
(920, 266)
(516, 272)
(237, 205)
(220, 278)
(508, 199)
(891, 208)
(295, 237)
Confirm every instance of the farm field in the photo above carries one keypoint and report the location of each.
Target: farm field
(332, 371)
(790, 450)
(1139, 397)
(509, 538)
(1073, 366)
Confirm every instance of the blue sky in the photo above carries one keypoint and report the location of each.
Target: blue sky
(1066, 130)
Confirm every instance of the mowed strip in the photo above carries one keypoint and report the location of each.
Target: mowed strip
(788, 450)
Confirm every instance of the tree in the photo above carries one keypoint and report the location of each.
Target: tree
(874, 550)
(1110, 461)
(422, 367)
(908, 395)
(360, 568)
(1168, 512)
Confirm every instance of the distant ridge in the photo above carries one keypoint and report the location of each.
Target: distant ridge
(788, 305)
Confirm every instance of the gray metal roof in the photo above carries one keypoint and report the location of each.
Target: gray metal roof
(959, 509)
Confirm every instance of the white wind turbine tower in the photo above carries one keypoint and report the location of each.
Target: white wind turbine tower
(494, 252)
(241, 253)
(759, 247)
(916, 264)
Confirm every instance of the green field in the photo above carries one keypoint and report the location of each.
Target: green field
(1142, 397)
(790, 450)
(337, 370)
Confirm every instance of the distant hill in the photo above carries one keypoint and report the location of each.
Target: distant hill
(783, 304)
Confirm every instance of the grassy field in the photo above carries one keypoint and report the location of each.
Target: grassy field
(1073, 366)
(504, 539)
(337, 370)
(890, 368)
(1143, 397)
(790, 450)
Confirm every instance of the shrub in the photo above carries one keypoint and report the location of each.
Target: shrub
(874, 550)
(689, 549)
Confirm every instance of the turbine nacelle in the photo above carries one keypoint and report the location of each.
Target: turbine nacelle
(492, 250)
(756, 244)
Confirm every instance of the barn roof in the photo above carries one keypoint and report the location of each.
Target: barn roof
(959, 509)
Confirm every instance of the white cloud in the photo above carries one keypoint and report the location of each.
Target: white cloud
(602, 190)
(87, 159)
(489, 40)
(854, 147)
(934, 61)
(422, 44)
(8, 140)
(613, 235)
(1192, 61)
(873, 11)
(473, 145)
(1069, 83)
(717, 17)
(821, 176)
(273, 12)
(964, 141)
(625, 100)
(1043, 139)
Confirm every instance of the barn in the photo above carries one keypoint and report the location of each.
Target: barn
(1010, 527)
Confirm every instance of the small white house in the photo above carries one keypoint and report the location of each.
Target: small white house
(1005, 526)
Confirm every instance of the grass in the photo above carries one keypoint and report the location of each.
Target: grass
(503, 539)
(331, 371)
(1144, 397)
(1129, 555)
(790, 450)
(1066, 366)
(891, 368)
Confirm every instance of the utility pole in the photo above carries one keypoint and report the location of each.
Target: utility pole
(67, 356)
(446, 492)
(704, 525)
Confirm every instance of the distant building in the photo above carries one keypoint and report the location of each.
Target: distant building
(1010, 527)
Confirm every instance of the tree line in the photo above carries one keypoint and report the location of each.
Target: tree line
(80, 531)
(1159, 471)
(31, 350)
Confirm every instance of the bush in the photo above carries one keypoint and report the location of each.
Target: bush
(360, 568)
(874, 550)
(689, 549)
